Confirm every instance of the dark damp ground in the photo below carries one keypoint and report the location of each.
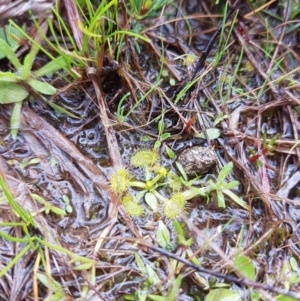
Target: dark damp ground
(253, 101)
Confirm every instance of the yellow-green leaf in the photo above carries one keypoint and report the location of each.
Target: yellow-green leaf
(163, 235)
(42, 87)
(15, 119)
(245, 266)
(11, 92)
(7, 51)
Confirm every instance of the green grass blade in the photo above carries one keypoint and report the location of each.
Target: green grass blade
(15, 119)
(235, 198)
(9, 53)
(13, 203)
(28, 61)
(11, 238)
(42, 87)
(11, 92)
(14, 261)
(59, 63)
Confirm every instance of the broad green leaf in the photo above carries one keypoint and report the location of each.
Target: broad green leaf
(182, 171)
(60, 109)
(12, 162)
(15, 119)
(140, 295)
(54, 286)
(11, 92)
(140, 264)
(69, 209)
(163, 235)
(42, 87)
(231, 184)
(225, 171)
(28, 61)
(34, 161)
(294, 264)
(178, 227)
(165, 136)
(146, 138)
(157, 144)
(165, 73)
(175, 288)
(24, 163)
(8, 77)
(245, 266)
(223, 294)
(161, 126)
(198, 191)
(172, 81)
(212, 185)
(66, 199)
(38, 198)
(8, 52)
(211, 133)
(152, 275)
(235, 198)
(47, 208)
(180, 235)
(57, 210)
(10, 31)
(84, 266)
(151, 201)
(221, 200)
(170, 152)
(58, 63)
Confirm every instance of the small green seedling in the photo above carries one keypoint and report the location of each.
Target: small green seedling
(180, 235)
(222, 188)
(267, 149)
(161, 134)
(25, 163)
(145, 8)
(16, 87)
(47, 206)
(66, 200)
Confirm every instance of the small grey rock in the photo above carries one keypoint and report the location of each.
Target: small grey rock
(197, 160)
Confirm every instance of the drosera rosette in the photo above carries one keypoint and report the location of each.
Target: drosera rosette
(175, 207)
(144, 158)
(131, 206)
(148, 159)
(119, 181)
